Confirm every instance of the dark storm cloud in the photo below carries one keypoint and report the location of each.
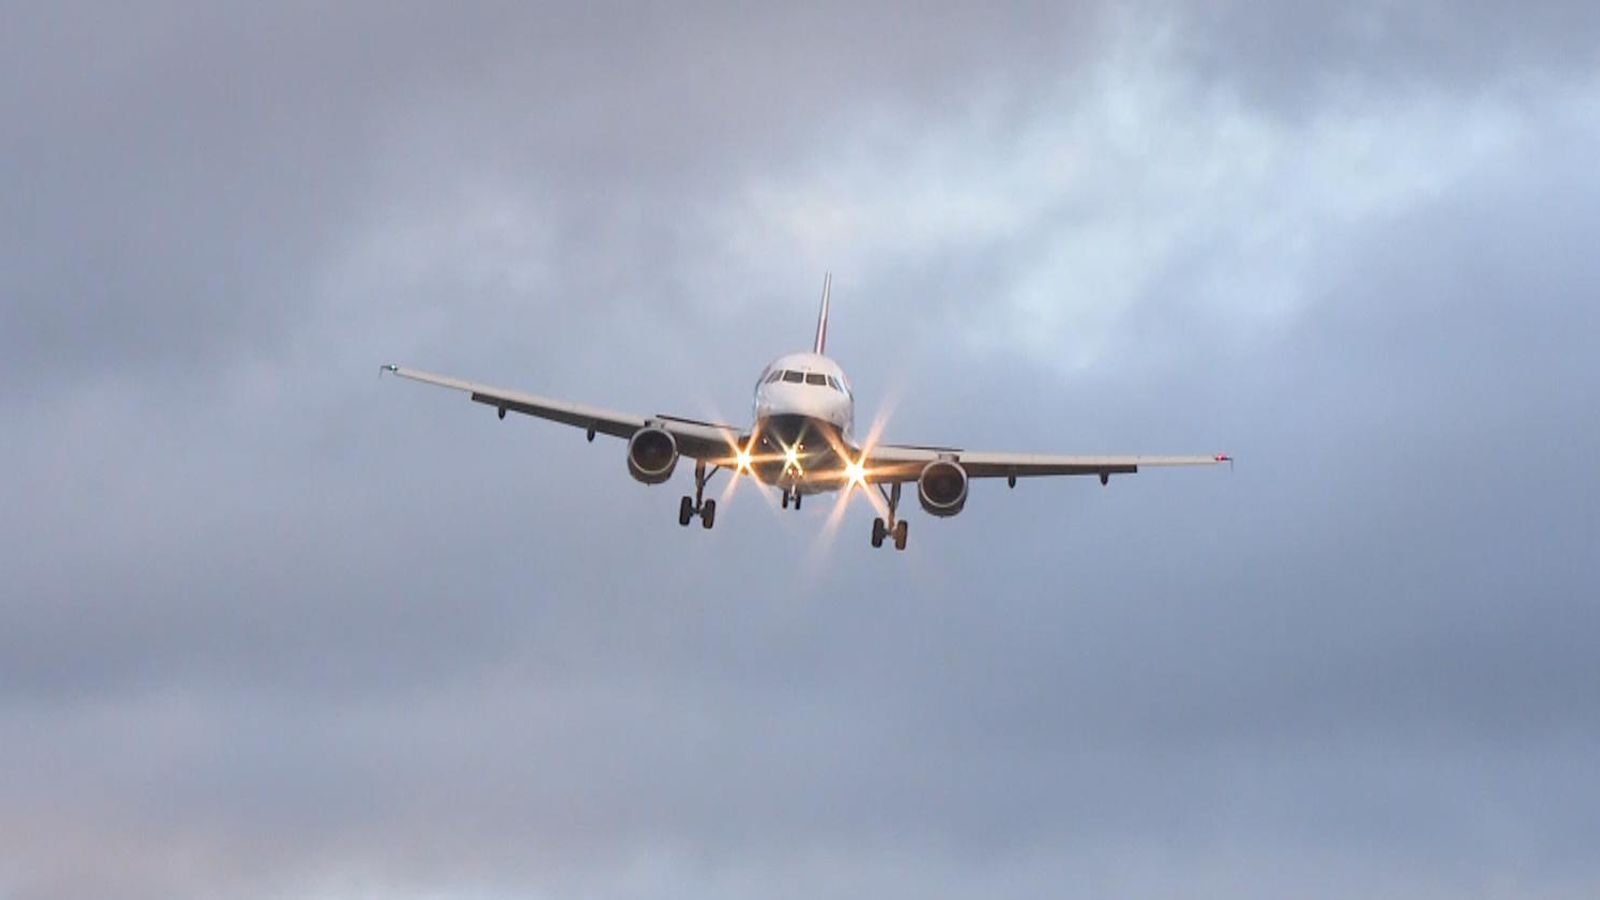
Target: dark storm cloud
(179, 181)
(274, 625)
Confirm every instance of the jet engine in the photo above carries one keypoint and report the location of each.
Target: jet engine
(652, 455)
(942, 488)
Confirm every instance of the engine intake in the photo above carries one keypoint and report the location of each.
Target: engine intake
(652, 455)
(942, 488)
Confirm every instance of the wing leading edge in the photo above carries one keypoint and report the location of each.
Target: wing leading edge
(890, 463)
(697, 440)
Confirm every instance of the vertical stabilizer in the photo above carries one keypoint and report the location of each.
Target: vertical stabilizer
(822, 317)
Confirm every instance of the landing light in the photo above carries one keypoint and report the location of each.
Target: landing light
(855, 474)
(741, 461)
(791, 456)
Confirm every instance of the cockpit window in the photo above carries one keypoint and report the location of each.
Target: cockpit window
(834, 383)
(772, 376)
(794, 377)
(817, 378)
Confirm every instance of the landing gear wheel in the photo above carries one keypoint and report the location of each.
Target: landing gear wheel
(785, 499)
(797, 499)
(698, 505)
(891, 528)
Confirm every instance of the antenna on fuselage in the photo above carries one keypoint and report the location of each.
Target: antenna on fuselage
(822, 317)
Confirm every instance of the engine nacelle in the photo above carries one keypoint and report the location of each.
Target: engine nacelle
(652, 455)
(942, 488)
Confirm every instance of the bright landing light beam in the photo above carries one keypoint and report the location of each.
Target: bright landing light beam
(855, 474)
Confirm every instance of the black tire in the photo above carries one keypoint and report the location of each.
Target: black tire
(708, 514)
(797, 499)
(878, 532)
(786, 499)
(685, 511)
(900, 532)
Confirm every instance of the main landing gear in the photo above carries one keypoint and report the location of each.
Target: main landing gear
(892, 528)
(689, 507)
(791, 498)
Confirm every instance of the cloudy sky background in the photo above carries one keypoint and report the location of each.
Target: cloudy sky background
(274, 627)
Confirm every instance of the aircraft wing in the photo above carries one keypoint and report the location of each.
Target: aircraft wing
(890, 463)
(697, 440)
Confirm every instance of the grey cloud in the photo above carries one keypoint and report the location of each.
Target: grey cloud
(1295, 56)
(181, 183)
(274, 625)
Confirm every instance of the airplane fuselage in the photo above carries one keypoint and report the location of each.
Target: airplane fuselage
(804, 423)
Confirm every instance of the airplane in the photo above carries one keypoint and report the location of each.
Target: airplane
(801, 441)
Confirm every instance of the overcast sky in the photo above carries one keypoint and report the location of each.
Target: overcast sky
(272, 627)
